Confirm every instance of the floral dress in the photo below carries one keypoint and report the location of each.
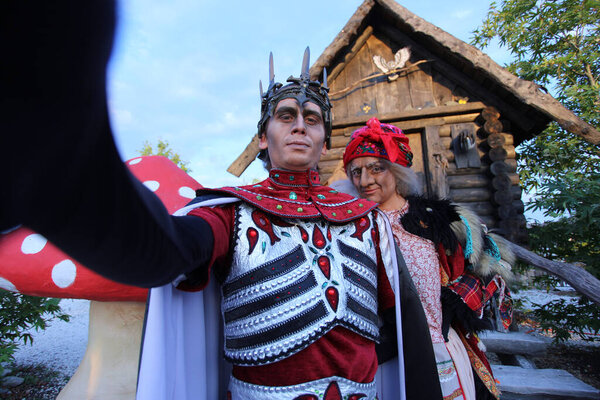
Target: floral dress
(424, 267)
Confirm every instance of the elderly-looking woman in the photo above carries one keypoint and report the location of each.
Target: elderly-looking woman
(455, 265)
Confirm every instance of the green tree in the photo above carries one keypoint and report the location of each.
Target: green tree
(556, 43)
(20, 313)
(163, 149)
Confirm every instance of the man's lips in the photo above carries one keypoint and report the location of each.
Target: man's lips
(298, 144)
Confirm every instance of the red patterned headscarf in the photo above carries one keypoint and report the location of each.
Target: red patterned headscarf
(379, 140)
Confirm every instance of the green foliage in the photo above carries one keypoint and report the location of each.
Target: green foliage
(19, 313)
(573, 237)
(556, 43)
(553, 42)
(163, 149)
(564, 319)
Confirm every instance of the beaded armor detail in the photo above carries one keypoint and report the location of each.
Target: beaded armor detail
(282, 295)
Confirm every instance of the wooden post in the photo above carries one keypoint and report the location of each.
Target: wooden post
(436, 162)
(245, 159)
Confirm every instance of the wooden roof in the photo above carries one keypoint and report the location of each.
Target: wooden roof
(524, 103)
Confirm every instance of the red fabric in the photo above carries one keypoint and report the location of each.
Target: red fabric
(291, 194)
(473, 341)
(339, 353)
(379, 140)
(220, 220)
(453, 264)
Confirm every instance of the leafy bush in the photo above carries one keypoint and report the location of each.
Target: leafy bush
(564, 319)
(18, 314)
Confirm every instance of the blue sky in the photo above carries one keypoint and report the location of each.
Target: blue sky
(187, 71)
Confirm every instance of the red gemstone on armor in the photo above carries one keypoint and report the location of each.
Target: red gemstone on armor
(328, 234)
(357, 396)
(252, 235)
(360, 227)
(324, 265)
(303, 234)
(332, 296)
(306, 397)
(263, 223)
(318, 238)
(333, 392)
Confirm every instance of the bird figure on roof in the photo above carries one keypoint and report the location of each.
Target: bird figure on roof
(400, 59)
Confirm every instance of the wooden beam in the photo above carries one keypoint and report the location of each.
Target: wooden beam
(358, 44)
(436, 163)
(245, 159)
(581, 280)
(445, 115)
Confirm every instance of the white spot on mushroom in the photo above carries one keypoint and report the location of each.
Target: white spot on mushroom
(152, 185)
(135, 161)
(187, 192)
(7, 285)
(64, 273)
(33, 244)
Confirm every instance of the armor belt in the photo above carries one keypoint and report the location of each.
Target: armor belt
(292, 281)
(319, 389)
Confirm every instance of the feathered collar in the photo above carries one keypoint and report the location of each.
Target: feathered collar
(431, 219)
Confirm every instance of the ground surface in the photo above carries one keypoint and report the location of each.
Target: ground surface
(56, 353)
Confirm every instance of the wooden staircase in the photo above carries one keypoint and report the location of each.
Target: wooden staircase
(518, 376)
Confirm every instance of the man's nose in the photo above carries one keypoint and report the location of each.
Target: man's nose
(299, 126)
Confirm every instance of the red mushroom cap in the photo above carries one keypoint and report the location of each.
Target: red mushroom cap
(30, 265)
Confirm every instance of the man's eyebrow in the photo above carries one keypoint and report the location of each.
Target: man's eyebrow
(309, 112)
(286, 109)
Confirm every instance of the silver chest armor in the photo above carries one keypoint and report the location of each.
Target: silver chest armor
(291, 281)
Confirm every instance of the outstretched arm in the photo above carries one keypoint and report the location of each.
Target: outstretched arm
(62, 174)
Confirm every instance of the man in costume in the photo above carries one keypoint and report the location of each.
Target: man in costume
(309, 277)
(455, 264)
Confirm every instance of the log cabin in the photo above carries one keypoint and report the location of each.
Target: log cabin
(463, 113)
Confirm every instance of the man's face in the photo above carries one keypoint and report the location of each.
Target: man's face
(373, 180)
(295, 136)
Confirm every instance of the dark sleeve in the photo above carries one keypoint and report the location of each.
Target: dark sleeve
(62, 175)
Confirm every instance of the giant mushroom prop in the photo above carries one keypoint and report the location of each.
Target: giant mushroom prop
(32, 266)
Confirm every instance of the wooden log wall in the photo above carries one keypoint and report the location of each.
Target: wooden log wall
(431, 107)
(492, 190)
(502, 171)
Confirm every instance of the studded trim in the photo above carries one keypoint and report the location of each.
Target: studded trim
(301, 197)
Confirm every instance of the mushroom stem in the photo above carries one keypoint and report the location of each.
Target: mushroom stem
(109, 366)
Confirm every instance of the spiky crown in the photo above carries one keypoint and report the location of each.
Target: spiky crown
(302, 89)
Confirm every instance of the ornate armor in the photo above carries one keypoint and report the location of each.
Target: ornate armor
(282, 295)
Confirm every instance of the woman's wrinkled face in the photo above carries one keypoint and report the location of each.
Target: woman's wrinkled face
(373, 180)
